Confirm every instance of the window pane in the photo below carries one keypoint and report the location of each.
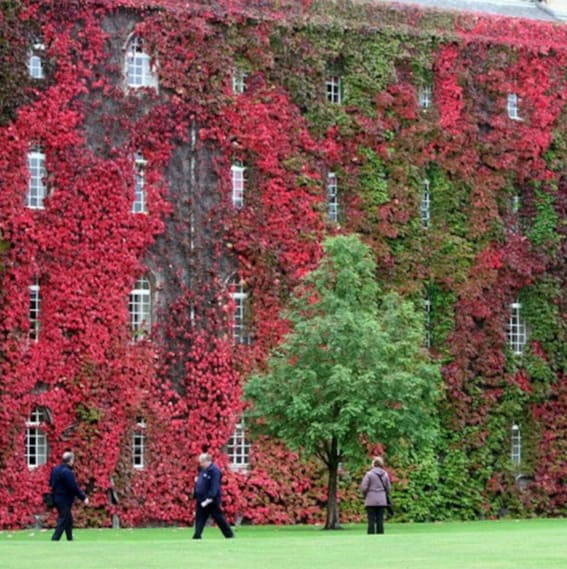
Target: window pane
(139, 66)
(238, 448)
(333, 89)
(139, 203)
(332, 197)
(140, 307)
(35, 66)
(425, 204)
(34, 310)
(238, 185)
(517, 329)
(36, 186)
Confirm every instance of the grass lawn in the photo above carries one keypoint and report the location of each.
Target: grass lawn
(530, 544)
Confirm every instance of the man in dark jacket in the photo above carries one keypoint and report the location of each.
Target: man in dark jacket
(208, 497)
(65, 489)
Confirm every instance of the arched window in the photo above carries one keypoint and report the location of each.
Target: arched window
(37, 447)
(139, 70)
(37, 189)
(140, 307)
(139, 203)
(34, 311)
(139, 444)
(238, 448)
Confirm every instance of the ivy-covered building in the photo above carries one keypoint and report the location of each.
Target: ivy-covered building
(168, 172)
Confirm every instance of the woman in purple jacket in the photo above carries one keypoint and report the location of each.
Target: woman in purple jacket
(375, 488)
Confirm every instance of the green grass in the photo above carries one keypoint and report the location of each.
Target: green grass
(529, 544)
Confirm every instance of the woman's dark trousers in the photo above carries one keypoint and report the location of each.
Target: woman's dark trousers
(375, 519)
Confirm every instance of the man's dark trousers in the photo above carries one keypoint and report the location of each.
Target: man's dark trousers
(375, 519)
(202, 515)
(64, 521)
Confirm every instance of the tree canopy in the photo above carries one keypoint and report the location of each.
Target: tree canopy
(353, 369)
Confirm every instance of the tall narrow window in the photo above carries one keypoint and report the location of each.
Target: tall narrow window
(240, 298)
(35, 302)
(333, 89)
(332, 197)
(427, 321)
(140, 307)
(425, 207)
(516, 205)
(36, 186)
(517, 329)
(36, 439)
(238, 183)
(139, 72)
(512, 107)
(139, 203)
(35, 61)
(238, 80)
(425, 96)
(516, 450)
(238, 448)
(139, 444)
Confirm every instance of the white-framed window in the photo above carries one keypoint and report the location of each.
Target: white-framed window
(333, 89)
(512, 107)
(139, 444)
(37, 189)
(35, 61)
(427, 321)
(240, 298)
(139, 203)
(238, 181)
(332, 197)
(517, 331)
(139, 69)
(516, 448)
(238, 448)
(37, 447)
(425, 97)
(425, 207)
(239, 80)
(140, 307)
(34, 310)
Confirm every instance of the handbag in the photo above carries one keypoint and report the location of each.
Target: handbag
(48, 499)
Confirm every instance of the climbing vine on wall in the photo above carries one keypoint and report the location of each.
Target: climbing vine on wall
(481, 250)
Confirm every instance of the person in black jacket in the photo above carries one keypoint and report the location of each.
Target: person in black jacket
(65, 489)
(208, 497)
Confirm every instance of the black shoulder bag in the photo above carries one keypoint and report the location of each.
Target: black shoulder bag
(49, 499)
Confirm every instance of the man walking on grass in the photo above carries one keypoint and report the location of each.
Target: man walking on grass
(65, 489)
(208, 497)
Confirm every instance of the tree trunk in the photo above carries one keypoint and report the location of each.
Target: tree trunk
(332, 521)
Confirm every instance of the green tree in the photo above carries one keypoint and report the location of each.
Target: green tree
(353, 368)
